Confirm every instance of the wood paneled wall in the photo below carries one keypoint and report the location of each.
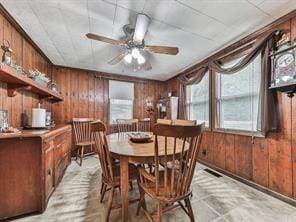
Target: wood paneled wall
(86, 94)
(269, 162)
(29, 58)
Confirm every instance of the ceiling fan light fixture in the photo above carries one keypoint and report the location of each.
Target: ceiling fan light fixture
(141, 27)
(135, 53)
(128, 58)
(141, 59)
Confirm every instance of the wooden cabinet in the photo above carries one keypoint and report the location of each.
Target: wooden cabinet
(57, 158)
(168, 108)
(32, 165)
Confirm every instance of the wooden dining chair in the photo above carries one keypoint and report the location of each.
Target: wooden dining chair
(110, 171)
(144, 125)
(127, 125)
(182, 122)
(164, 121)
(82, 136)
(176, 151)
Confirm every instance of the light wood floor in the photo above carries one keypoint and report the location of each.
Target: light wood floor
(215, 199)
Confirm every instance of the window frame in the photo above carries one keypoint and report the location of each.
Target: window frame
(207, 128)
(214, 104)
(109, 102)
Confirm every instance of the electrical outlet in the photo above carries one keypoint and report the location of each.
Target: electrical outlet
(204, 152)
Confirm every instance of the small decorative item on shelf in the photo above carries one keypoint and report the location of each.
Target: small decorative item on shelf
(7, 57)
(7, 52)
(149, 106)
(53, 86)
(18, 68)
(283, 64)
(39, 77)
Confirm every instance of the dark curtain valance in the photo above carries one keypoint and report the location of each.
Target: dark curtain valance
(267, 115)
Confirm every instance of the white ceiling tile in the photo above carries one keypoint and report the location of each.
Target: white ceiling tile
(277, 8)
(196, 4)
(232, 13)
(157, 9)
(78, 7)
(135, 5)
(194, 21)
(256, 2)
(96, 27)
(53, 23)
(101, 10)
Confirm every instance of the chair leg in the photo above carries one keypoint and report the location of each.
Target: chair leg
(102, 187)
(159, 212)
(77, 154)
(141, 201)
(81, 155)
(150, 168)
(103, 192)
(189, 207)
(131, 185)
(110, 201)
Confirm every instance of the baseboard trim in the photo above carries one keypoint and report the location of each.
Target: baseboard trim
(251, 184)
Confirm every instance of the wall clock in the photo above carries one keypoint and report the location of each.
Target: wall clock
(283, 64)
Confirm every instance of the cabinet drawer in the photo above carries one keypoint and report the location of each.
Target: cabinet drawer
(62, 138)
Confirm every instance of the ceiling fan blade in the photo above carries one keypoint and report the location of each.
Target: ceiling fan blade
(118, 58)
(104, 39)
(141, 27)
(147, 65)
(162, 49)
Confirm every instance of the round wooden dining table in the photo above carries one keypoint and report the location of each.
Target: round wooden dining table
(123, 149)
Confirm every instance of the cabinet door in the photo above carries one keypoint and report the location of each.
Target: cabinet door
(58, 153)
(49, 166)
(61, 154)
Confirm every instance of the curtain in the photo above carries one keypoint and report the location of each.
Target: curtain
(267, 116)
(186, 80)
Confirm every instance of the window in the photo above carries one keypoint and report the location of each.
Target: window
(238, 97)
(121, 95)
(198, 101)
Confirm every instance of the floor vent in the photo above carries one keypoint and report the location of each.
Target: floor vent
(213, 173)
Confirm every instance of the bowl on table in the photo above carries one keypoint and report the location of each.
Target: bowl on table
(140, 137)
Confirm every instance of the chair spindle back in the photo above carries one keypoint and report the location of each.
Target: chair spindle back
(98, 130)
(144, 125)
(176, 151)
(127, 125)
(81, 128)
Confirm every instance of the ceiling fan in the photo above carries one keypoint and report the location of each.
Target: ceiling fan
(135, 44)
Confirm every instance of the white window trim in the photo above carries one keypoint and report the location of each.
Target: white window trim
(188, 103)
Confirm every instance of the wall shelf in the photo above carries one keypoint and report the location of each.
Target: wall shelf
(16, 81)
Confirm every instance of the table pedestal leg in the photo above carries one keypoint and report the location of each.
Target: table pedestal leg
(124, 187)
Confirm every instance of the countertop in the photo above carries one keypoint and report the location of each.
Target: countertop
(37, 133)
